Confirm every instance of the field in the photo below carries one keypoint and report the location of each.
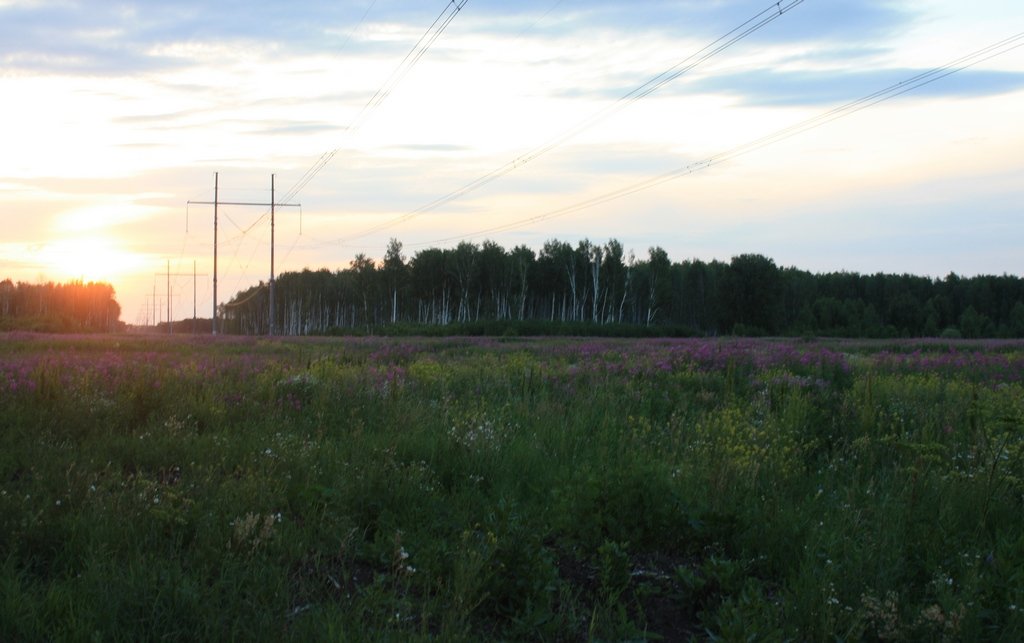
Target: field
(480, 489)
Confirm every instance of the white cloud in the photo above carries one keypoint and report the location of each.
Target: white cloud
(128, 116)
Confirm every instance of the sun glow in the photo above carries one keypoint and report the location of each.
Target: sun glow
(90, 259)
(98, 217)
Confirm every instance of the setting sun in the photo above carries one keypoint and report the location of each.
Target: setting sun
(862, 136)
(89, 259)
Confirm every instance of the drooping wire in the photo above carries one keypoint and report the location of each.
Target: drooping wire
(243, 270)
(429, 37)
(738, 33)
(915, 82)
(414, 55)
(538, 20)
(295, 242)
(870, 100)
(359, 24)
(259, 289)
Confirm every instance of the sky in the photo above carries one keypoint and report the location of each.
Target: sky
(117, 115)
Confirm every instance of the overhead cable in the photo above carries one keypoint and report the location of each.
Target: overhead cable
(738, 33)
(893, 91)
(414, 55)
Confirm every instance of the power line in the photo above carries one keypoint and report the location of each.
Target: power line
(893, 91)
(359, 24)
(915, 82)
(414, 55)
(296, 241)
(259, 289)
(538, 20)
(738, 33)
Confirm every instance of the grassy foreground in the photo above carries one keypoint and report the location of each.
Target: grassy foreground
(475, 489)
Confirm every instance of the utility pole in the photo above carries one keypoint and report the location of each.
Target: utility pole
(272, 205)
(214, 203)
(193, 274)
(154, 298)
(271, 324)
(216, 189)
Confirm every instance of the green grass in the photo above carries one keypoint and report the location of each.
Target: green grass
(467, 489)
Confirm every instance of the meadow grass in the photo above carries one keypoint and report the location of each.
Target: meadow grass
(480, 489)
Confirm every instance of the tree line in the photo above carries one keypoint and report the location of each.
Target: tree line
(603, 285)
(59, 307)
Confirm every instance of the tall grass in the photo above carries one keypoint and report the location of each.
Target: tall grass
(468, 489)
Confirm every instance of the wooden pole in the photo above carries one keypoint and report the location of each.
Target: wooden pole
(272, 204)
(216, 184)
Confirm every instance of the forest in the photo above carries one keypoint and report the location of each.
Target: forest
(59, 307)
(596, 288)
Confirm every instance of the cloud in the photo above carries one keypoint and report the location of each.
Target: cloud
(781, 88)
(136, 37)
(128, 38)
(297, 127)
(835, 36)
(442, 148)
(850, 20)
(71, 39)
